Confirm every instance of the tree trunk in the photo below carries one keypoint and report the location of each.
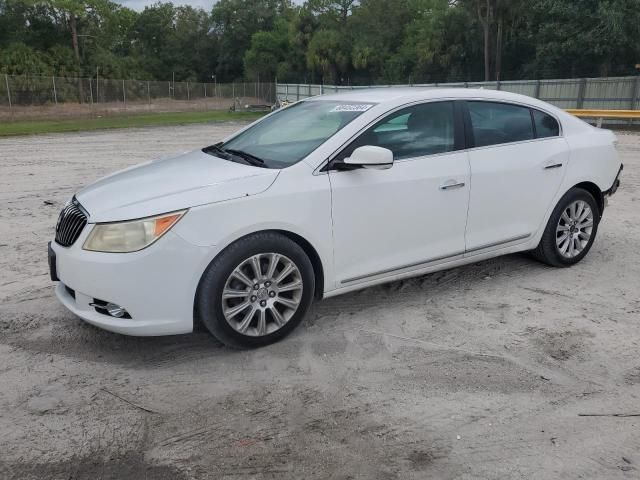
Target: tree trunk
(74, 35)
(499, 50)
(487, 55)
(486, 21)
(73, 26)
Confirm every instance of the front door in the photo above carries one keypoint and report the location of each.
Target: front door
(411, 215)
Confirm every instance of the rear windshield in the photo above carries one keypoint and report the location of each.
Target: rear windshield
(290, 134)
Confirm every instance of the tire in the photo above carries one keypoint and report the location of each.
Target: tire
(559, 251)
(269, 314)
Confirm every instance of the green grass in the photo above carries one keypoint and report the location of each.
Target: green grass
(32, 127)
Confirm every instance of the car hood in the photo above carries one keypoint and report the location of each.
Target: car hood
(170, 184)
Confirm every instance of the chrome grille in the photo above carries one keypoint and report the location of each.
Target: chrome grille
(71, 221)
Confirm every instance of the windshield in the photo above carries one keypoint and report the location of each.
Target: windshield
(290, 134)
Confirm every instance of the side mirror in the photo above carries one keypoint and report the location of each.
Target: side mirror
(371, 157)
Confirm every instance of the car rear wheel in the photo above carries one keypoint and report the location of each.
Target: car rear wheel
(256, 291)
(571, 230)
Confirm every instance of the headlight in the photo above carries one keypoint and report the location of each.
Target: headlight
(130, 236)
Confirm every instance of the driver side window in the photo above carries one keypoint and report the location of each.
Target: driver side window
(416, 131)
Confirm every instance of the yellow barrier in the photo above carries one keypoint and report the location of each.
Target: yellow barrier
(608, 114)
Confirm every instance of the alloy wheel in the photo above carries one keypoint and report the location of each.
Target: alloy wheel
(262, 294)
(574, 229)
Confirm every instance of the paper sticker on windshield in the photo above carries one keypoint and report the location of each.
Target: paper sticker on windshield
(355, 107)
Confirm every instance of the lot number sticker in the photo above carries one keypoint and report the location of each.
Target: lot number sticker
(359, 107)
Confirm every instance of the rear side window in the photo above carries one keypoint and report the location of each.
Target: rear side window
(496, 123)
(546, 125)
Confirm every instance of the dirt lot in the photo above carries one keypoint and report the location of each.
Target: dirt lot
(477, 372)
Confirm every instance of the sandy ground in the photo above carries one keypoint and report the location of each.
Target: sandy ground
(476, 372)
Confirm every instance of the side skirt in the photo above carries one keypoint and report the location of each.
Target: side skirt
(429, 267)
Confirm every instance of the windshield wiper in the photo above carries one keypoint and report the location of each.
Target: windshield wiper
(217, 150)
(230, 154)
(249, 158)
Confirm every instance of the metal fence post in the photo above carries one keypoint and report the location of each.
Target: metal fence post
(55, 94)
(537, 90)
(124, 95)
(90, 91)
(205, 89)
(149, 93)
(297, 92)
(635, 96)
(635, 93)
(6, 81)
(188, 94)
(581, 91)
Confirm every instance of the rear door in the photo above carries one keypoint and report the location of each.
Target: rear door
(517, 164)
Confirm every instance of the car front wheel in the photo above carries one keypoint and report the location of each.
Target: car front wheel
(256, 291)
(571, 230)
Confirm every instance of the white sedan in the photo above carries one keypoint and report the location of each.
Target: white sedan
(329, 195)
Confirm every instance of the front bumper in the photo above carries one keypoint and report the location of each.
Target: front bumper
(156, 285)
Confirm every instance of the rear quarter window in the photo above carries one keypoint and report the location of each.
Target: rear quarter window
(546, 125)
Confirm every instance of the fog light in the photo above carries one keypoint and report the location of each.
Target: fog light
(115, 310)
(109, 308)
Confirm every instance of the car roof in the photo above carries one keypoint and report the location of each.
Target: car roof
(387, 98)
(409, 94)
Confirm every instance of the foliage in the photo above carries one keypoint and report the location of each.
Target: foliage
(341, 41)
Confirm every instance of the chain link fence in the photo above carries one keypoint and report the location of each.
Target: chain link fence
(33, 97)
(30, 97)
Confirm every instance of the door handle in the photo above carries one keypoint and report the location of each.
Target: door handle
(451, 186)
(555, 165)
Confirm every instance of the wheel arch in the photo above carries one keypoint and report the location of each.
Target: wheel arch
(586, 185)
(594, 190)
(306, 245)
(314, 257)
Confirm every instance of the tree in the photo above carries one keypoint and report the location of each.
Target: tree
(234, 22)
(268, 56)
(332, 11)
(586, 37)
(361, 41)
(71, 12)
(20, 59)
(377, 33)
(327, 55)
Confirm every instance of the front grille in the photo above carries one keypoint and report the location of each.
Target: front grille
(70, 224)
